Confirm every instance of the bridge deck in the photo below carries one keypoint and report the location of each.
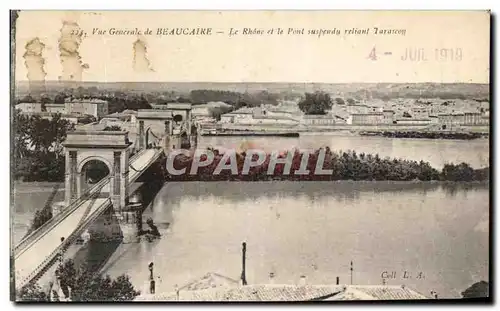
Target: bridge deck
(39, 252)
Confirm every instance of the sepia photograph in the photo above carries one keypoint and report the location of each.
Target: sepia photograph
(250, 156)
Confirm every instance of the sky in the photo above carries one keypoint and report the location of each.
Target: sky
(455, 46)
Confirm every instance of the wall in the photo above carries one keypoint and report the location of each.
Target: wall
(29, 107)
(55, 108)
(413, 122)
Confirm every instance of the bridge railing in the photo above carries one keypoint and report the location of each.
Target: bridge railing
(48, 261)
(54, 221)
(38, 233)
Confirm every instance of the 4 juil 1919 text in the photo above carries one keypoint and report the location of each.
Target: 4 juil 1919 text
(438, 54)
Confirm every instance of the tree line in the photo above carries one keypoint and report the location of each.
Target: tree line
(346, 165)
(38, 151)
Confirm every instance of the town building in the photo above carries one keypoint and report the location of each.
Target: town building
(95, 107)
(413, 121)
(29, 107)
(485, 120)
(55, 108)
(419, 112)
(158, 106)
(259, 116)
(388, 116)
(242, 115)
(357, 108)
(271, 120)
(326, 119)
(367, 118)
(434, 119)
(451, 119)
(201, 111)
(472, 118)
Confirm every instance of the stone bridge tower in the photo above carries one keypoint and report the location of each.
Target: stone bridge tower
(108, 147)
(174, 123)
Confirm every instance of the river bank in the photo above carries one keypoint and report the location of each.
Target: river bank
(426, 134)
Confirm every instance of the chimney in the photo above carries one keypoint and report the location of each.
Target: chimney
(243, 268)
(338, 281)
(271, 277)
(302, 280)
(176, 292)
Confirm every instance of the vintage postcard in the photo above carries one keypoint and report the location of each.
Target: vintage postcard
(250, 156)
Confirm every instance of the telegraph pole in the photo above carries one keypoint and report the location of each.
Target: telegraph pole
(243, 270)
(351, 271)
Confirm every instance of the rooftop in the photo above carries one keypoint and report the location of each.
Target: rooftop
(266, 117)
(368, 114)
(51, 114)
(243, 110)
(90, 100)
(411, 119)
(318, 116)
(272, 292)
(210, 280)
(377, 292)
(179, 106)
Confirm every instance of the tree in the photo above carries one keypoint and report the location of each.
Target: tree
(86, 119)
(351, 101)
(21, 127)
(339, 101)
(59, 98)
(112, 128)
(38, 146)
(183, 100)
(316, 103)
(32, 292)
(28, 99)
(48, 135)
(88, 286)
(216, 112)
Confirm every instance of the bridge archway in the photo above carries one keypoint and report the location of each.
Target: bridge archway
(107, 147)
(151, 139)
(178, 118)
(91, 171)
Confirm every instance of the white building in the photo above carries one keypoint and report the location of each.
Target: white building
(55, 108)
(326, 119)
(95, 107)
(29, 107)
(240, 116)
(413, 121)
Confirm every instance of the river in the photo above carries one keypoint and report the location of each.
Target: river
(315, 229)
(435, 234)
